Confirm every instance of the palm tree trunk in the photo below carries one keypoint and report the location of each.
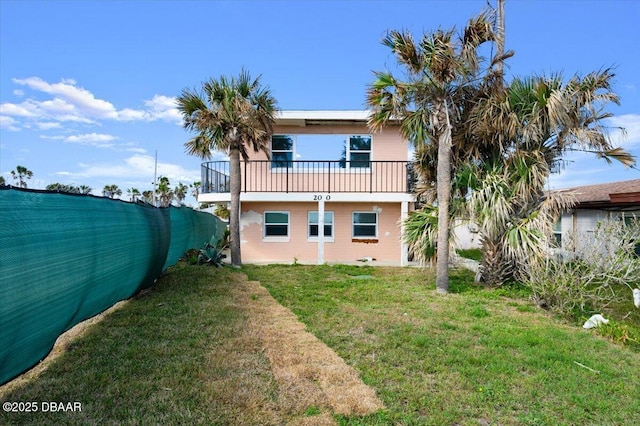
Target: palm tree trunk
(234, 213)
(495, 270)
(443, 188)
(500, 40)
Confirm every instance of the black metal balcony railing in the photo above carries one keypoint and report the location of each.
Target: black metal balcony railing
(311, 176)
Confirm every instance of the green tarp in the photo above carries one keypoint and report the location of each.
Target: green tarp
(65, 258)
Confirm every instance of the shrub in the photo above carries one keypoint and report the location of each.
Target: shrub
(598, 274)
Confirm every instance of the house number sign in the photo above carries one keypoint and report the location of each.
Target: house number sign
(320, 197)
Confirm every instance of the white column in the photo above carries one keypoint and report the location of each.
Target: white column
(321, 231)
(404, 251)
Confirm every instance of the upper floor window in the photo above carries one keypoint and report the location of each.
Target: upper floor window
(359, 153)
(281, 150)
(314, 150)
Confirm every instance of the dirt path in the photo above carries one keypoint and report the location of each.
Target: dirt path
(307, 371)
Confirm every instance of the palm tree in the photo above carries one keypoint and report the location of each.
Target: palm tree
(443, 76)
(195, 189)
(165, 194)
(147, 197)
(533, 124)
(21, 174)
(133, 194)
(180, 192)
(231, 115)
(2, 182)
(111, 191)
(61, 187)
(85, 189)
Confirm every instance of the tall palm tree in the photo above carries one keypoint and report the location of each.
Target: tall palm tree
(536, 121)
(231, 115)
(21, 174)
(443, 76)
(111, 191)
(163, 189)
(195, 188)
(147, 196)
(133, 194)
(180, 192)
(85, 189)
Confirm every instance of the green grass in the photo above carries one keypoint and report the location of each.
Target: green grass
(473, 356)
(473, 254)
(172, 357)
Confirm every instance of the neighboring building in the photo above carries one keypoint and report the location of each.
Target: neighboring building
(331, 192)
(595, 203)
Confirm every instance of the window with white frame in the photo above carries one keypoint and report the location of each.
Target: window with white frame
(281, 151)
(352, 151)
(557, 233)
(276, 224)
(365, 225)
(359, 151)
(313, 224)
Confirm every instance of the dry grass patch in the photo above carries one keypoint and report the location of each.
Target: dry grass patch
(308, 372)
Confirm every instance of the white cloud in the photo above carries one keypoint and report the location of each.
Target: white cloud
(79, 99)
(19, 93)
(48, 125)
(163, 108)
(129, 114)
(137, 150)
(97, 140)
(71, 103)
(25, 109)
(137, 166)
(8, 123)
(631, 124)
(90, 137)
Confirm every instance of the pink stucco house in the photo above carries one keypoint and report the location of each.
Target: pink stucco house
(331, 192)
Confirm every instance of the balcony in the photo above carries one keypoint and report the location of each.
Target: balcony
(311, 176)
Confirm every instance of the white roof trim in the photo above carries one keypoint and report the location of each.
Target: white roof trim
(333, 115)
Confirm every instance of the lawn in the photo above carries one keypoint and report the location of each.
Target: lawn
(190, 353)
(473, 357)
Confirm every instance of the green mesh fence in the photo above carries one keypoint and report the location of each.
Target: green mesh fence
(65, 258)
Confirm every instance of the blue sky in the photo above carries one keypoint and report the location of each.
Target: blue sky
(87, 88)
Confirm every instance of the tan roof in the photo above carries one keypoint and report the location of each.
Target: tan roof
(627, 191)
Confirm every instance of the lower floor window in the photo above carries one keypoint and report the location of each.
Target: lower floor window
(365, 225)
(313, 224)
(276, 224)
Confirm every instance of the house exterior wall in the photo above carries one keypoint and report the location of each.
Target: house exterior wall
(466, 235)
(386, 145)
(578, 226)
(297, 246)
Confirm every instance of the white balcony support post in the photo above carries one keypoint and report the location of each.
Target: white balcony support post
(321, 231)
(404, 251)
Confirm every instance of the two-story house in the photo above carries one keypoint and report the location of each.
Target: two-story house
(331, 191)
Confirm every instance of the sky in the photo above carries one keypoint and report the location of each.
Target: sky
(87, 88)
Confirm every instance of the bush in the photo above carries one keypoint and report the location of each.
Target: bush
(591, 278)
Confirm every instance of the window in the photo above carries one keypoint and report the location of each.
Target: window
(359, 151)
(313, 224)
(557, 233)
(365, 224)
(314, 149)
(276, 224)
(633, 221)
(281, 151)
